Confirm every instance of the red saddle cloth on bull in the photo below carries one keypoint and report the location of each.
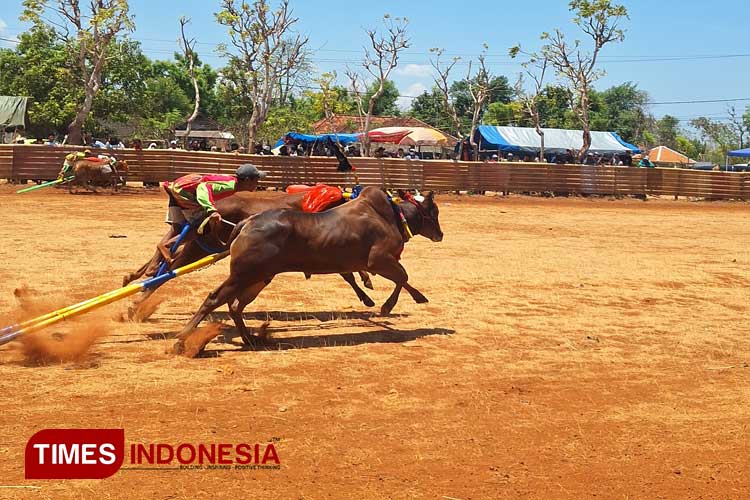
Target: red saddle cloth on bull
(320, 197)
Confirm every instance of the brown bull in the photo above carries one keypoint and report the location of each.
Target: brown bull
(366, 233)
(91, 173)
(233, 209)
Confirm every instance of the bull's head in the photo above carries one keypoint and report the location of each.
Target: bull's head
(423, 216)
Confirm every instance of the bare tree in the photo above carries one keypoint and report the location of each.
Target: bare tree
(88, 34)
(357, 85)
(535, 68)
(600, 20)
(441, 82)
(380, 57)
(739, 124)
(267, 52)
(479, 89)
(188, 50)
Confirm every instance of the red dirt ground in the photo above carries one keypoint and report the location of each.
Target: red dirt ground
(571, 348)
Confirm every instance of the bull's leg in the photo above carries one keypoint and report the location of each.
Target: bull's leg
(415, 294)
(390, 269)
(141, 270)
(224, 294)
(366, 280)
(155, 260)
(361, 295)
(238, 305)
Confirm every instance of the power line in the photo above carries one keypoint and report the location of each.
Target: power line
(700, 101)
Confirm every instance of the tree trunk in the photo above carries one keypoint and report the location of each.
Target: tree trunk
(474, 123)
(541, 144)
(75, 128)
(366, 137)
(193, 116)
(586, 143)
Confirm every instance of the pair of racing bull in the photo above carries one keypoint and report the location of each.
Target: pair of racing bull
(91, 171)
(270, 236)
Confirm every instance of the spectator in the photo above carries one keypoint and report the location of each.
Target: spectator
(173, 144)
(137, 144)
(645, 162)
(152, 145)
(379, 153)
(114, 143)
(400, 153)
(51, 140)
(493, 158)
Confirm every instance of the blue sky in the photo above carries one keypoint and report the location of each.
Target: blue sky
(675, 50)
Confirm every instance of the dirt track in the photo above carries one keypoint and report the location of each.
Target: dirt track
(571, 348)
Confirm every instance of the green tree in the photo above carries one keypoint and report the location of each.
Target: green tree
(500, 91)
(554, 108)
(667, 130)
(385, 103)
(690, 147)
(719, 136)
(88, 35)
(512, 114)
(621, 109)
(297, 116)
(37, 68)
(429, 107)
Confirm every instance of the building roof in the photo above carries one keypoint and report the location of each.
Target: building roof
(349, 124)
(663, 154)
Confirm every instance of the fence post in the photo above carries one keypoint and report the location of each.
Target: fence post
(12, 163)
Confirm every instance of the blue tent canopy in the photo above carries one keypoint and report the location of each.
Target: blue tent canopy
(526, 140)
(743, 153)
(308, 138)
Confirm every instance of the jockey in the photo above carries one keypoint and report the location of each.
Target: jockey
(192, 198)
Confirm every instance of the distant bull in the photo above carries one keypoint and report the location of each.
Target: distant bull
(93, 172)
(368, 233)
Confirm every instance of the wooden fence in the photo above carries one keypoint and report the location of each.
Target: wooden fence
(24, 162)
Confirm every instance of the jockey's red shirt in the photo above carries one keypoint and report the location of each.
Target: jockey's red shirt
(201, 191)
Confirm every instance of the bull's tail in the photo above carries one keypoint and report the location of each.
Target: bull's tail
(236, 231)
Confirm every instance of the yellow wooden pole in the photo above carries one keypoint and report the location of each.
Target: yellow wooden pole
(9, 333)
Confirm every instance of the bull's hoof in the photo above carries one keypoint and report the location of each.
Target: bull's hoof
(368, 302)
(179, 347)
(385, 310)
(368, 284)
(421, 299)
(247, 339)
